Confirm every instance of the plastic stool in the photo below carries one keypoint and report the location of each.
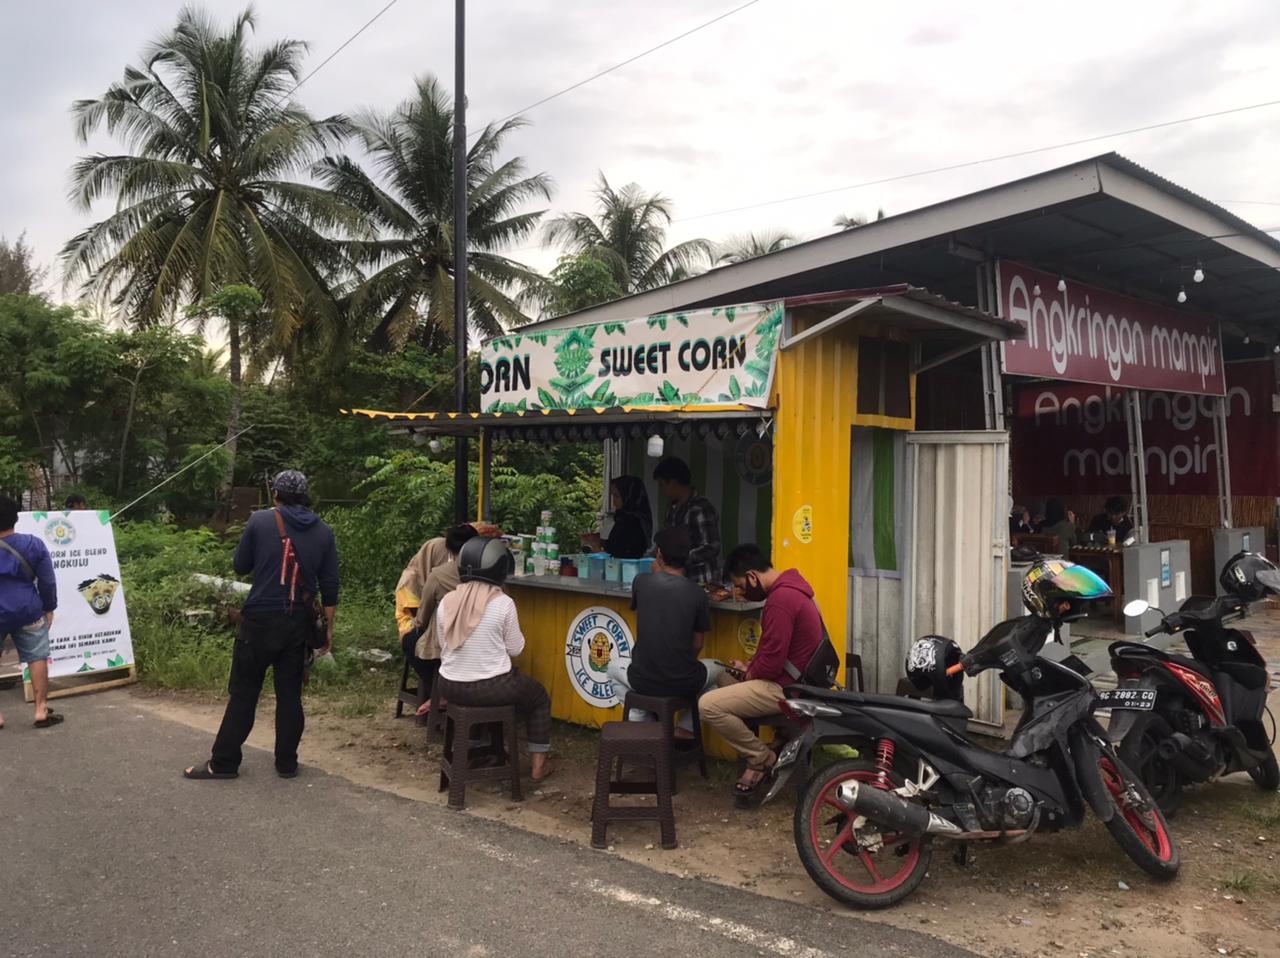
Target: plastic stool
(642, 743)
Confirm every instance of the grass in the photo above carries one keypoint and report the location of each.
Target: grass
(1244, 881)
(1266, 812)
(175, 649)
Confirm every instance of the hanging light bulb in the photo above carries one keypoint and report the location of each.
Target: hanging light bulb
(1182, 295)
(1276, 348)
(655, 446)
(1035, 290)
(1062, 284)
(1198, 275)
(1246, 340)
(434, 445)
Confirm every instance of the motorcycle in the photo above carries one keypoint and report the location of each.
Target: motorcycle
(1196, 717)
(864, 828)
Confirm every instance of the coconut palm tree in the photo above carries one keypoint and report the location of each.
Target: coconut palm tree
(847, 221)
(407, 195)
(628, 233)
(739, 249)
(203, 192)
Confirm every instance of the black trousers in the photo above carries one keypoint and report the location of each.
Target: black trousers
(274, 641)
(425, 668)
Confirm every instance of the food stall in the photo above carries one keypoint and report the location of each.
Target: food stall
(761, 399)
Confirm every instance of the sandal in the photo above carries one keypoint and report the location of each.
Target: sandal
(743, 788)
(204, 773)
(51, 719)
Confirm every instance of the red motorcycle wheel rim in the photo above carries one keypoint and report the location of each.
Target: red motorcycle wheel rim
(825, 807)
(1153, 836)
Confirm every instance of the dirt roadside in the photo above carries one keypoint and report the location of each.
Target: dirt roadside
(1058, 895)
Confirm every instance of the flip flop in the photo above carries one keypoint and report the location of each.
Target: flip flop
(742, 790)
(203, 773)
(50, 720)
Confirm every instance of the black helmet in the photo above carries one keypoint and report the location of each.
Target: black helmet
(485, 560)
(927, 662)
(1061, 591)
(1250, 577)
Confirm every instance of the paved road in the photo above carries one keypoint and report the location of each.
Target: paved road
(105, 851)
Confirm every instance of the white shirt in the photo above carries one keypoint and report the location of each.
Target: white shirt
(487, 652)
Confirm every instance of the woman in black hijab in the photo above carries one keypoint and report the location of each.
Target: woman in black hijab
(632, 519)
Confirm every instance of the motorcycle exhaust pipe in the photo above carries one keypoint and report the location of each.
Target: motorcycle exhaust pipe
(885, 808)
(1190, 757)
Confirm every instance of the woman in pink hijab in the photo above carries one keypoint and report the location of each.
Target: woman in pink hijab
(479, 631)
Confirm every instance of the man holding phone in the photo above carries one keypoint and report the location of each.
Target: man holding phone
(673, 616)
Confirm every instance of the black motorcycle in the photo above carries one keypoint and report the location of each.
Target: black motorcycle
(1196, 717)
(864, 827)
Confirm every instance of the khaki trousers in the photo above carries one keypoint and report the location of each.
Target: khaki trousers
(725, 708)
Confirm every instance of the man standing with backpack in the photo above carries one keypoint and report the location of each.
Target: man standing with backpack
(791, 632)
(293, 559)
(28, 597)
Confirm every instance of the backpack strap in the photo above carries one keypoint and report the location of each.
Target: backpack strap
(788, 666)
(22, 561)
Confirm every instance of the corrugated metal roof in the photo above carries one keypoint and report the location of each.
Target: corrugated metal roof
(1105, 220)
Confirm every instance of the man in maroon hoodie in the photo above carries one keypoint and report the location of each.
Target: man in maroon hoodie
(791, 631)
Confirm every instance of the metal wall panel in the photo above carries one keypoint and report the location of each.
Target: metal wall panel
(956, 575)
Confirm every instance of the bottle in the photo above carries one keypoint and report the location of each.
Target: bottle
(1111, 537)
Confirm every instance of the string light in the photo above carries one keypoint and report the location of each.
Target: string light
(1198, 275)
(1276, 348)
(1182, 295)
(1246, 340)
(1035, 290)
(1062, 284)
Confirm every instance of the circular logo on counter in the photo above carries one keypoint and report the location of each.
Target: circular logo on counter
(597, 636)
(749, 636)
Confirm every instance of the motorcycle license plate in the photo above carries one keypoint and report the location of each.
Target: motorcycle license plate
(1141, 700)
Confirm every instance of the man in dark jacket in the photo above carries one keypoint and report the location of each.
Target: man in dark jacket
(277, 621)
(28, 597)
(791, 631)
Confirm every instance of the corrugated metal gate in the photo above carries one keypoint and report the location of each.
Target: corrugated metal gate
(955, 577)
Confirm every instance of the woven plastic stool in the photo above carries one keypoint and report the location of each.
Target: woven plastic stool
(666, 707)
(642, 743)
(456, 772)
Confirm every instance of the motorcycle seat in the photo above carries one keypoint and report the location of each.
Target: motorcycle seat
(943, 708)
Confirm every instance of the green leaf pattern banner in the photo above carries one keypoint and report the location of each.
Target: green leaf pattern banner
(700, 357)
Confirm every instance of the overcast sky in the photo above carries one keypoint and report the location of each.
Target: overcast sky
(784, 97)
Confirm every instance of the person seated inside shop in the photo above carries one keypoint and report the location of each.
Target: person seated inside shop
(791, 632)
(1113, 519)
(1060, 522)
(632, 532)
(479, 632)
(688, 510)
(673, 617)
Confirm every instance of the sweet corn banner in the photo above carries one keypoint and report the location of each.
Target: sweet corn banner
(720, 355)
(91, 628)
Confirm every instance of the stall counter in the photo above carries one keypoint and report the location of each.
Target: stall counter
(574, 627)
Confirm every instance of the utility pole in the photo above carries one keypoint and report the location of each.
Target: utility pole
(460, 251)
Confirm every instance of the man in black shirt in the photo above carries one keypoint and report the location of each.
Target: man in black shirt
(673, 617)
(1115, 516)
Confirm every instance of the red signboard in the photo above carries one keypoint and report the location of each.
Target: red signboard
(1071, 439)
(1089, 335)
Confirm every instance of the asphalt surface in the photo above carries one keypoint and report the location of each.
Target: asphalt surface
(106, 851)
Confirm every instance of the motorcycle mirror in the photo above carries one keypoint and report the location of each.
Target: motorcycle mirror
(1136, 608)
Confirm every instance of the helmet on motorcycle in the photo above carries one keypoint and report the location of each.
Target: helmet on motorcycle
(485, 560)
(927, 662)
(1250, 577)
(1061, 591)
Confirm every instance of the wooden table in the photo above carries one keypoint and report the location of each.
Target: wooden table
(1108, 562)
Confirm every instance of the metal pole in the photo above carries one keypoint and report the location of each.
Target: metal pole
(1224, 462)
(460, 251)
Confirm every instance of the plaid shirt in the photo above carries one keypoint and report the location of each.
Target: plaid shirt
(699, 516)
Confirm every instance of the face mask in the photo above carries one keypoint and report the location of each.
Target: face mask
(754, 591)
